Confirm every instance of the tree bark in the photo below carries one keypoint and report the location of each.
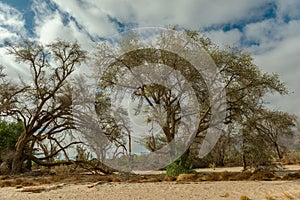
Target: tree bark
(18, 159)
(278, 151)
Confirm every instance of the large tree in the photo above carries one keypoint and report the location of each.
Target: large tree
(45, 104)
(244, 83)
(154, 90)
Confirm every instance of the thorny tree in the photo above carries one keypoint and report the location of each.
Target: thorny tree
(271, 127)
(245, 85)
(44, 105)
(165, 86)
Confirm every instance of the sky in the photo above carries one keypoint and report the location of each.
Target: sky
(268, 29)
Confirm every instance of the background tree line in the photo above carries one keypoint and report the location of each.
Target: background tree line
(41, 107)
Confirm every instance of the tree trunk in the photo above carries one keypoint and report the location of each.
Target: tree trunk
(278, 151)
(29, 164)
(18, 159)
(244, 162)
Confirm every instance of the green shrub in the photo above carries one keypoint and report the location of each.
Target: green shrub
(9, 134)
(182, 165)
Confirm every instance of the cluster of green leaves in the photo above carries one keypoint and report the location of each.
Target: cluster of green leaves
(9, 134)
(182, 165)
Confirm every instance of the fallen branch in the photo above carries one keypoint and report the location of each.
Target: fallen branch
(42, 188)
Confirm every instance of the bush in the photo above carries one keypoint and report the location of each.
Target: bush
(9, 134)
(182, 165)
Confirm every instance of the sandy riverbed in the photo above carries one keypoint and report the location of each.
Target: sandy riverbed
(164, 190)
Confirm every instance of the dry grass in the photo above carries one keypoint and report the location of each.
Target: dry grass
(23, 181)
(5, 177)
(63, 175)
(13, 181)
(18, 182)
(186, 177)
(150, 180)
(169, 178)
(212, 177)
(292, 176)
(244, 197)
(265, 176)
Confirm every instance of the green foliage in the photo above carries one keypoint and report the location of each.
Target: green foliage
(182, 165)
(9, 134)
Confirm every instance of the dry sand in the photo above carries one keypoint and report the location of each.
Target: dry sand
(165, 190)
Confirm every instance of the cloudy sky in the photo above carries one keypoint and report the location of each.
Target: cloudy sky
(268, 29)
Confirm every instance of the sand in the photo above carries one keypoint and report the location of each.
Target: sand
(163, 190)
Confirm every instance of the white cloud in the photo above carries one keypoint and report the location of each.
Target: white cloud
(10, 17)
(288, 8)
(11, 29)
(223, 38)
(284, 60)
(278, 52)
(269, 33)
(92, 14)
(93, 17)
(11, 23)
(277, 41)
(6, 34)
(50, 27)
(12, 69)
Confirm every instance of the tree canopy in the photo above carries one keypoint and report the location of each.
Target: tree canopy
(245, 84)
(184, 107)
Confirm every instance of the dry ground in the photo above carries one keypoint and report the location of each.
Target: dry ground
(146, 186)
(165, 190)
